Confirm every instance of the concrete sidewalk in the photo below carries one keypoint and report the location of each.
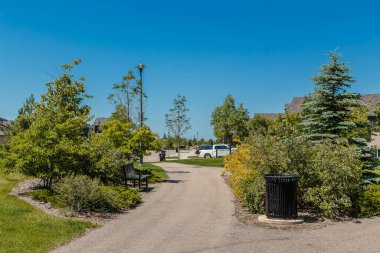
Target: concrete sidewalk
(193, 211)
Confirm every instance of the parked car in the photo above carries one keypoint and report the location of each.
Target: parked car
(218, 150)
(202, 147)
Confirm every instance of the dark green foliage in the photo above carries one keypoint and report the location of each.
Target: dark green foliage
(326, 113)
(230, 122)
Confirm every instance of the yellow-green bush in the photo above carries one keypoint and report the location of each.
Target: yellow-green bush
(244, 180)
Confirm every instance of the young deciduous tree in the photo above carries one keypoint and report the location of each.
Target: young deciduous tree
(230, 122)
(177, 120)
(124, 96)
(53, 144)
(326, 113)
(130, 142)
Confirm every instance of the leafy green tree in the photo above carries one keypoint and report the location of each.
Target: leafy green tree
(230, 122)
(259, 125)
(177, 120)
(53, 144)
(326, 113)
(127, 140)
(124, 96)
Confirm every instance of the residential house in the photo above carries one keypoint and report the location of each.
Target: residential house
(3, 124)
(96, 126)
(371, 100)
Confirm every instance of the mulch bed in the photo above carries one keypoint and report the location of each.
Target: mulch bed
(245, 216)
(23, 189)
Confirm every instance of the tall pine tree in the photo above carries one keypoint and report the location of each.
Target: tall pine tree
(326, 113)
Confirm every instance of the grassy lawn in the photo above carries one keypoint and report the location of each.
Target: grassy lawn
(159, 173)
(24, 228)
(212, 162)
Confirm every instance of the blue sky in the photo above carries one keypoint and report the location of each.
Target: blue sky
(261, 52)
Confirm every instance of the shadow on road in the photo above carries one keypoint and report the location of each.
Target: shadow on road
(178, 172)
(173, 181)
(147, 189)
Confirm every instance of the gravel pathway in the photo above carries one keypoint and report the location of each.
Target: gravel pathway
(194, 211)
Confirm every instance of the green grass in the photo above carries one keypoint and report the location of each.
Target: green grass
(211, 162)
(24, 228)
(158, 173)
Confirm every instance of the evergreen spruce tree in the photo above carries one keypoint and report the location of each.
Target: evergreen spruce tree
(326, 113)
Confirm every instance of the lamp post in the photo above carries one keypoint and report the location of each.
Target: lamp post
(141, 67)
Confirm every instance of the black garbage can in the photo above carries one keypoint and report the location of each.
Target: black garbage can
(281, 196)
(162, 155)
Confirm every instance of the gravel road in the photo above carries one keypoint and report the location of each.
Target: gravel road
(193, 211)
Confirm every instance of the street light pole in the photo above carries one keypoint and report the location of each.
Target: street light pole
(140, 67)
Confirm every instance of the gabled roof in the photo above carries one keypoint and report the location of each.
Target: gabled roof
(99, 121)
(273, 116)
(371, 100)
(295, 105)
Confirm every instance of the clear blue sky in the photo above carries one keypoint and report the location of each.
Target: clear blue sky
(261, 52)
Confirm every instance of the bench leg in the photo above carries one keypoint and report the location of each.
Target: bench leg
(139, 184)
(134, 183)
(146, 182)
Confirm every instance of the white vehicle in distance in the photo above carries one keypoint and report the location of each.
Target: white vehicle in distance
(217, 150)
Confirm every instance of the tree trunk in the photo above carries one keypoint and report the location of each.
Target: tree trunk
(179, 158)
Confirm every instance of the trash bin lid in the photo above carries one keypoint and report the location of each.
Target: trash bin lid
(281, 178)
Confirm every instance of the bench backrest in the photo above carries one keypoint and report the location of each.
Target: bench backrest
(129, 170)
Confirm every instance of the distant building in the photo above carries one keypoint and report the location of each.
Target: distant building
(273, 116)
(3, 124)
(97, 123)
(371, 100)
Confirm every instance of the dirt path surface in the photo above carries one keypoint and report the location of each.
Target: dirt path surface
(194, 210)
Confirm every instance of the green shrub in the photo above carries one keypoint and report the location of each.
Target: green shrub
(47, 196)
(119, 198)
(336, 179)
(82, 193)
(369, 201)
(330, 173)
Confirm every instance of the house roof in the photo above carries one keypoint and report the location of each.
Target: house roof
(371, 100)
(99, 121)
(295, 105)
(270, 115)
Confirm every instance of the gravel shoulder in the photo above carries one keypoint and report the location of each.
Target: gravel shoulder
(194, 211)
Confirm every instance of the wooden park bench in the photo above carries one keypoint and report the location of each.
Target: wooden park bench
(132, 174)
